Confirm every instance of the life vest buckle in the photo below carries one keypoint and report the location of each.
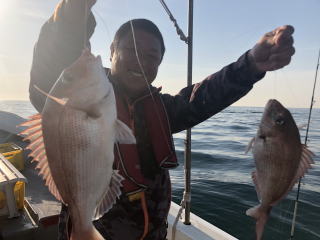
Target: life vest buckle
(135, 196)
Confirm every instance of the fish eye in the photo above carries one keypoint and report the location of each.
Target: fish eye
(279, 121)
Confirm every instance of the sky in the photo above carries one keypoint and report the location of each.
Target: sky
(223, 31)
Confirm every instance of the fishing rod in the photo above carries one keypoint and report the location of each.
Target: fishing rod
(305, 142)
(187, 155)
(186, 201)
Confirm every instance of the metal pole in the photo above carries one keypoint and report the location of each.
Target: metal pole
(187, 155)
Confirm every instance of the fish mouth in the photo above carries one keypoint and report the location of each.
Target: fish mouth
(262, 130)
(271, 102)
(263, 137)
(136, 73)
(274, 103)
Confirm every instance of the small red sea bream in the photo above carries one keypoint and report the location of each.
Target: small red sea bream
(280, 160)
(73, 140)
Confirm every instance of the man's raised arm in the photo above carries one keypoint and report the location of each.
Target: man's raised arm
(61, 41)
(200, 101)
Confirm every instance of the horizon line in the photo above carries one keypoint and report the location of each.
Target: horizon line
(27, 100)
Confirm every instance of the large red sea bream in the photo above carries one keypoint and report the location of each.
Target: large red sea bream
(280, 160)
(73, 140)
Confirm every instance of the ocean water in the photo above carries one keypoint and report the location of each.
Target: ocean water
(222, 189)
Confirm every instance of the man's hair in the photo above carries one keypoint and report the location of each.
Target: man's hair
(141, 24)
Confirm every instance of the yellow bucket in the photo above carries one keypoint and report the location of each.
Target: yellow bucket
(19, 190)
(14, 154)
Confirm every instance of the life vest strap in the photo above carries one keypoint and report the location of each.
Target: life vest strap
(142, 197)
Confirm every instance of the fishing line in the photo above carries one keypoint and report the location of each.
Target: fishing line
(146, 80)
(289, 86)
(305, 142)
(106, 29)
(138, 58)
(85, 37)
(275, 80)
(148, 85)
(104, 24)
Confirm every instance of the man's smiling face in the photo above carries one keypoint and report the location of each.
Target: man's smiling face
(125, 68)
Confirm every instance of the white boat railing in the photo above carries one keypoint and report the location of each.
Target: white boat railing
(198, 230)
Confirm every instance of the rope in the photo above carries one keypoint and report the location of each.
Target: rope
(186, 198)
(305, 142)
(145, 214)
(178, 29)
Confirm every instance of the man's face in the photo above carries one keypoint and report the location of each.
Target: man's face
(125, 68)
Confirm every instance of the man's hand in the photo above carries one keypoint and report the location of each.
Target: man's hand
(71, 8)
(274, 50)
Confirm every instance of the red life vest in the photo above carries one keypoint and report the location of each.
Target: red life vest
(127, 157)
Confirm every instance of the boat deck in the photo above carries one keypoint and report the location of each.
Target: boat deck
(38, 220)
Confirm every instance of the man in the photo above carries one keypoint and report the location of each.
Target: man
(142, 209)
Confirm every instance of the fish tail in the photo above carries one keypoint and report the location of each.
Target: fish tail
(90, 234)
(261, 214)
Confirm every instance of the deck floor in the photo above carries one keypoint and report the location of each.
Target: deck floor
(37, 194)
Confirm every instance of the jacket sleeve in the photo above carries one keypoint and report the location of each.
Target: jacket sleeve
(61, 41)
(200, 101)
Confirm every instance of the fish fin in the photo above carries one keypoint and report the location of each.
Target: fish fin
(34, 120)
(34, 134)
(123, 133)
(308, 154)
(111, 196)
(30, 130)
(305, 164)
(250, 145)
(254, 177)
(261, 216)
(35, 116)
(61, 101)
